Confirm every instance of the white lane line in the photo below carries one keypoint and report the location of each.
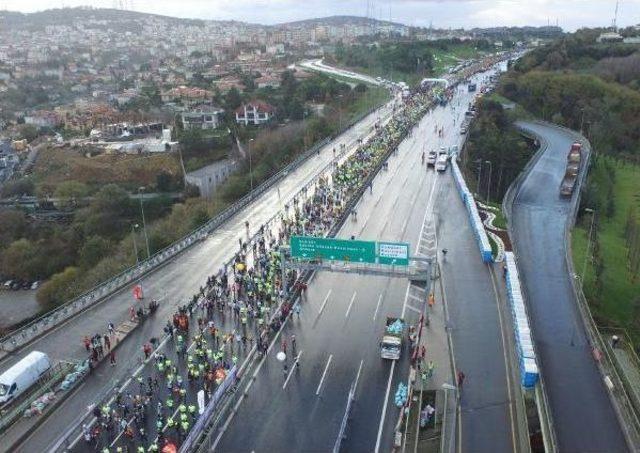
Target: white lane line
(412, 308)
(355, 386)
(326, 367)
(324, 302)
(404, 225)
(293, 367)
(384, 407)
(386, 395)
(375, 313)
(414, 297)
(350, 304)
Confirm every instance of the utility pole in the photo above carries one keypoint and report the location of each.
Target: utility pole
(250, 168)
(135, 245)
(586, 255)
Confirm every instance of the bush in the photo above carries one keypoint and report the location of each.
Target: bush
(60, 288)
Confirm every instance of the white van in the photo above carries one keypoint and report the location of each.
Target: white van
(442, 162)
(23, 375)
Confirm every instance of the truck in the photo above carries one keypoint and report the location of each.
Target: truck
(391, 344)
(571, 172)
(24, 374)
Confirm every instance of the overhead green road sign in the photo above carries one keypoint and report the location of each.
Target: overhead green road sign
(395, 253)
(313, 248)
(306, 247)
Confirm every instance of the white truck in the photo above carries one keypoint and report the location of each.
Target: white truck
(23, 375)
(391, 344)
(443, 159)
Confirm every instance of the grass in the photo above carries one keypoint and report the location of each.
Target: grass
(373, 97)
(614, 307)
(54, 166)
(500, 221)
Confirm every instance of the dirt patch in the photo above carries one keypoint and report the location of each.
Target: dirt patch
(54, 166)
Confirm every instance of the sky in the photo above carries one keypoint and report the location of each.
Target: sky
(569, 14)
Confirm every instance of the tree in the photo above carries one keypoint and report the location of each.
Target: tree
(232, 100)
(360, 88)
(13, 225)
(69, 192)
(164, 182)
(18, 260)
(18, 187)
(28, 132)
(109, 213)
(60, 288)
(94, 249)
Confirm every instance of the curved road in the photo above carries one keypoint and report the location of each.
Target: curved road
(583, 414)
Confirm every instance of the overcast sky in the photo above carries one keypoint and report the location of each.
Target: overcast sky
(569, 14)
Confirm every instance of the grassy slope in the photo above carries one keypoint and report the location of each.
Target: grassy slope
(615, 308)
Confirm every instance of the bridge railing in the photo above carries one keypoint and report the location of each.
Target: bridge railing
(25, 334)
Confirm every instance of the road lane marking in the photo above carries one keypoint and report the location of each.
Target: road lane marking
(355, 386)
(504, 354)
(386, 396)
(384, 407)
(324, 302)
(377, 307)
(326, 367)
(350, 304)
(412, 308)
(293, 367)
(414, 297)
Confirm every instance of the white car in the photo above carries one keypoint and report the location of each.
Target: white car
(442, 163)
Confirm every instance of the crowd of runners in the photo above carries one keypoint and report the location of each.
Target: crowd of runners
(239, 308)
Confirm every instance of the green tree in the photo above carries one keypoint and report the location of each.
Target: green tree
(94, 249)
(232, 100)
(18, 260)
(13, 225)
(59, 288)
(69, 192)
(28, 132)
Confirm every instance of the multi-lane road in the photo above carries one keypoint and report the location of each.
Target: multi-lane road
(173, 284)
(341, 319)
(583, 414)
(338, 332)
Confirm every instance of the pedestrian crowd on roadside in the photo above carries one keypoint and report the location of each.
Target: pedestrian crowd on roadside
(240, 307)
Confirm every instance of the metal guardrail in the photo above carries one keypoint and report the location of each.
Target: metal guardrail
(544, 407)
(345, 418)
(68, 438)
(19, 338)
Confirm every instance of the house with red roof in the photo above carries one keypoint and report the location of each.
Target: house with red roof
(254, 112)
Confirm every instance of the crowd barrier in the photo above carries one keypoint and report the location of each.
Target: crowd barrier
(476, 223)
(524, 343)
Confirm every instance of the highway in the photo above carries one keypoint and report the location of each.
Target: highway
(583, 414)
(342, 317)
(173, 284)
(318, 65)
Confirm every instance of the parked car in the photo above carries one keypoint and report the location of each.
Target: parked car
(7, 284)
(35, 285)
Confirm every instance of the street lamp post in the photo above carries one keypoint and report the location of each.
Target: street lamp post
(489, 182)
(446, 386)
(586, 255)
(144, 222)
(135, 245)
(250, 167)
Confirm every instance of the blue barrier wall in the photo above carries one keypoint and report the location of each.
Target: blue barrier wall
(476, 224)
(524, 343)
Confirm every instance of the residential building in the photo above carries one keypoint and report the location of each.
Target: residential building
(202, 118)
(187, 95)
(208, 178)
(254, 112)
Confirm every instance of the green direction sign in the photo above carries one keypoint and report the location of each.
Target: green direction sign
(395, 253)
(306, 247)
(310, 248)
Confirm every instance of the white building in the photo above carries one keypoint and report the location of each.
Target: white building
(202, 118)
(254, 112)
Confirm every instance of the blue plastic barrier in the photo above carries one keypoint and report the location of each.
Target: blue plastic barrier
(524, 344)
(476, 223)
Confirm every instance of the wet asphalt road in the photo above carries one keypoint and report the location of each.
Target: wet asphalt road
(583, 414)
(342, 318)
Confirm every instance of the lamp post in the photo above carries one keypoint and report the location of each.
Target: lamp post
(586, 255)
(489, 182)
(479, 162)
(135, 245)
(250, 167)
(144, 222)
(446, 386)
